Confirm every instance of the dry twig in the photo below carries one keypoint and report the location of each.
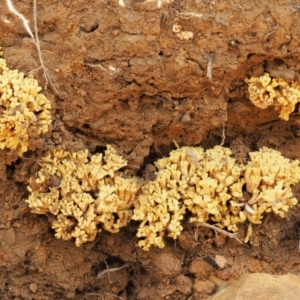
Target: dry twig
(34, 37)
(209, 65)
(107, 271)
(97, 294)
(229, 234)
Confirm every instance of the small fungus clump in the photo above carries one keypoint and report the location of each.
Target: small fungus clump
(24, 112)
(265, 91)
(85, 192)
(268, 178)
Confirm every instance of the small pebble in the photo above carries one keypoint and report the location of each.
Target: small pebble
(17, 224)
(184, 284)
(33, 287)
(167, 264)
(186, 241)
(116, 32)
(200, 268)
(186, 118)
(221, 261)
(204, 287)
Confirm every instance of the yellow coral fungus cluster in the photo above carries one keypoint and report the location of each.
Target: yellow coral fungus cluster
(211, 185)
(268, 178)
(84, 191)
(205, 183)
(265, 91)
(24, 112)
(87, 192)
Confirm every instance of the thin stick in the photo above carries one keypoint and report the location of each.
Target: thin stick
(101, 274)
(175, 143)
(229, 234)
(188, 15)
(114, 296)
(111, 70)
(25, 21)
(34, 37)
(37, 43)
(96, 65)
(224, 129)
(209, 65)
(271, 32)
(223, 135)
(97, 294)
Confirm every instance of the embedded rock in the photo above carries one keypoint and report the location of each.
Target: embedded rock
(261, 286)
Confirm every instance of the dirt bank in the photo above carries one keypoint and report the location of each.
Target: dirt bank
(138, 76)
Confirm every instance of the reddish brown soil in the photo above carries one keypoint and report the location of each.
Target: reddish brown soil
(124, 78)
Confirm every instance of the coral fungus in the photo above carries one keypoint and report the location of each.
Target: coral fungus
(90, 193)
(190, 178)
(210, 184)
(87, 192)
(265, 91)
(268, 177)
(24, 112)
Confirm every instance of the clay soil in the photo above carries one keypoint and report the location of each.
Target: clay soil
(123, 77)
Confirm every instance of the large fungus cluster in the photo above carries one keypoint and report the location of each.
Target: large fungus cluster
(24, 112)
(88, 192)
(214, 188)
(265, 91)
(85, 193)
